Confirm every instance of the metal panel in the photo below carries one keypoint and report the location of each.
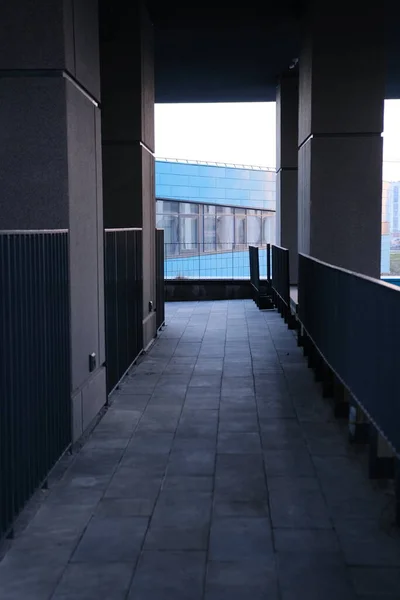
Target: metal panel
(280, 274)
(352, 320)
(35, 377)
(123, 301)
(160, 294)
(254, 268)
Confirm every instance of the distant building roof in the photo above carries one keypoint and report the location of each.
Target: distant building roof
(208, 182)
(215, 164)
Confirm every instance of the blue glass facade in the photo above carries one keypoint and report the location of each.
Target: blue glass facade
(216, 184)
(210, 215)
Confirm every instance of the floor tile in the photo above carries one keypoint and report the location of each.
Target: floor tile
(94, 581)
(256, 579)
(240, 538)
(297, 503)
(111, 539)
(169, 575)
(319, 576)
(238, 443)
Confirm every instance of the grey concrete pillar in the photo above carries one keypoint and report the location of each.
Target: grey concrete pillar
(127, 83)
(50, 156)
(340, 145)
(287, 111)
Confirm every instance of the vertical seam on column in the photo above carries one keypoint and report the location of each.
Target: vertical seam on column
(96, 173)
(73, 33)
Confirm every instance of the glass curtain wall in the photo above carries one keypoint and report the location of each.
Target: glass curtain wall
(200, 228)
(225, 228)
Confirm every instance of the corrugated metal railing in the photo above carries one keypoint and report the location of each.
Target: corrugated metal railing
(35, 401)
(160, 286)
(352, 321)
(123, 301)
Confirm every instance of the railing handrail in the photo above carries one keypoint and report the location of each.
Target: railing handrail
(227, 204)
(31, 231)
(280, 247)
(354, 273)
(338, 314)
(189, 161)
(115, 229)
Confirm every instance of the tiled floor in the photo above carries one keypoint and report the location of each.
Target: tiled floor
(218, 473)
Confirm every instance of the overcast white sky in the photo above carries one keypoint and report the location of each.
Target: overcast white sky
(244, 133)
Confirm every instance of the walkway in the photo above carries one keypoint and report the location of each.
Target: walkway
(217, 474)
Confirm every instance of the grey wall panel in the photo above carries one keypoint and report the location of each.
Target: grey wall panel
(148, 94)
(345, 225)
(304, 198)
(69, 36)
(121, 88)
(86, 25)
(33, 155)
(149, 204)
(83, 233)
(77, 421)
(117, 89)
(50, 34)
(286, 187)
(348, 87)
(100, 238)
(127, 74)
(305, 91)
(32, 35)
(342, 72)
(287, 118)
(278, 127)
(122, 185)
(278, 216)
(94, 397)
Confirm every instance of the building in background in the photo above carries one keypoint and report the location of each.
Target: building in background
(394, 195)
(211, 213)
(386, 212)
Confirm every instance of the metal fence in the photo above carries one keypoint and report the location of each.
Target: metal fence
(352, 320)
(203, 261)
(254, 268)
(35, 399)
(123, 301)
(160, 286)
(268, 257)
(280, 281)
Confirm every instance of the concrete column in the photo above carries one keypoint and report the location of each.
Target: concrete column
(127, 83)
(287, 110)
(340, 145)
(50, 156)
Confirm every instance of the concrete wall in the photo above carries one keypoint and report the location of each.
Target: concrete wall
(33, 153)
(51, 161)
(127, 78)
(86, 253)
(342, 79)
(189, 291)
(287, 101)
